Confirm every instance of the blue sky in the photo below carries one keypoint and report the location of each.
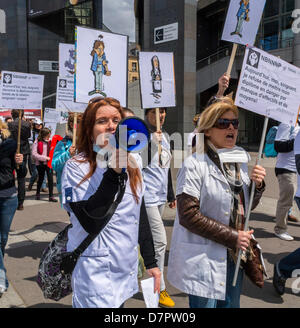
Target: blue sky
(118, 15)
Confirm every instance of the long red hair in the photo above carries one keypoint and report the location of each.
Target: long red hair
(85, 143)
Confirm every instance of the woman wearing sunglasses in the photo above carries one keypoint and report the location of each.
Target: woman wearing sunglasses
(105, 275)
(212, 199)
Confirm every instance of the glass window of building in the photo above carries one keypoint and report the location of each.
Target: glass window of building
(275, 31)
(81, 14)
(287, 34)
(272, 8)
(134, 67)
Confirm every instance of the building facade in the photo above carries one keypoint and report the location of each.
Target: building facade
(275, 36)
(200, 26)
(153, 14)
(34, 30)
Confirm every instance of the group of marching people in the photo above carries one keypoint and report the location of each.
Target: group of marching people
(212, 197)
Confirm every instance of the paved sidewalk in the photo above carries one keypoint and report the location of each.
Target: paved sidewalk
(33, 228)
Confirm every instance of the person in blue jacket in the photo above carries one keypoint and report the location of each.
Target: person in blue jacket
(64, 150)
(99, 66)
(242, 15)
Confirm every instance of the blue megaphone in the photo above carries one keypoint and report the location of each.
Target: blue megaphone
(132, 134)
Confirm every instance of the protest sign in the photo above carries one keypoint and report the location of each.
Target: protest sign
(28, 114)
(65, 95)
(66, 58)
(101, 65)
(63, 117)
(242, 21)
(51, 115)
(21, 90)
(157, 79)
(269, 86)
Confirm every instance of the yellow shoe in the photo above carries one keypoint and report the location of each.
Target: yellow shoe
(165, 299)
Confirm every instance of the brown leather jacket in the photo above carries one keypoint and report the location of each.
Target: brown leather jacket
(191, 218)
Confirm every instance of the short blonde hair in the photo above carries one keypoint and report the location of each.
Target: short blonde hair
(213, 112)
(4, 129)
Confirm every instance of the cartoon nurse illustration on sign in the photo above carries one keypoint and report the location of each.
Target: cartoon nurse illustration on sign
(156, 77)
(99, 66)
(242, 15)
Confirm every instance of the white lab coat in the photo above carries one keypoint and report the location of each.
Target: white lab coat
(197, 265)
(105, 275)
(286, 132)
(156, 177)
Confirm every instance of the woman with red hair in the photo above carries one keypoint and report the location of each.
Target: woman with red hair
(105, 275)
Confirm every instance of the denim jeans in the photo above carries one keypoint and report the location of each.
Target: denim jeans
(289, 263)
(232, 298)
(8, 207)
(21, 182)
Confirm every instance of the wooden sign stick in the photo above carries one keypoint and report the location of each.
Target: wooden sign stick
(158, 128)
(19, 135)
(233, 53)
(74, 129)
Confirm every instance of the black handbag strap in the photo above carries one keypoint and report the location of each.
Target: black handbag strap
(110, 212)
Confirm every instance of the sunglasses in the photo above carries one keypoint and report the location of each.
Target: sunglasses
(95, 99)
(224, 123)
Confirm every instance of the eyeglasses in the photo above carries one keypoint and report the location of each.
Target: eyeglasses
(224, 123)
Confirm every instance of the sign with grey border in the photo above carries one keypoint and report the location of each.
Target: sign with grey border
(166, 33)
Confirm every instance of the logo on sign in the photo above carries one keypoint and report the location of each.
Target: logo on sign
(62, 83)
(159, 35)
(54, 66)
(7, 78)
(253, 58)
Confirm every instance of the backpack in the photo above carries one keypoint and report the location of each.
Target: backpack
(270, 139)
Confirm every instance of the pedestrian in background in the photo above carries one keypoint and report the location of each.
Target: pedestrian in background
(40, 153)
(63, 151)
(8, 192)
(37, 125)
(284, 269)
(24, 149)
(159, 190)
(285, 170)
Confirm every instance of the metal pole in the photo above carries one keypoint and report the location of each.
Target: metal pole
(262, 141)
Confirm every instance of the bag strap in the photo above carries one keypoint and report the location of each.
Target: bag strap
(88, 240)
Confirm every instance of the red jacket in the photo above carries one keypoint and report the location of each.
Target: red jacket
(55, 139)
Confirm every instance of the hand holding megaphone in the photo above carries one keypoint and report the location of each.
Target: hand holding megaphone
(132, 135)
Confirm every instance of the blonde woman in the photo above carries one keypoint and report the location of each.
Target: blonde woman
(8, 192)
(212, 197)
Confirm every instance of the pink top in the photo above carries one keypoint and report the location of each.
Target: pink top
(39, 157)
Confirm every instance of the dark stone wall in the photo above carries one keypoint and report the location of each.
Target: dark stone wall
(159, 13)
(37, 38)
(13, 46)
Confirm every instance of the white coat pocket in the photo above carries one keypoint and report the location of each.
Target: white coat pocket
(91, 276)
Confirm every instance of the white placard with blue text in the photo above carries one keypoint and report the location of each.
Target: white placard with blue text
(66, 56)
(21, 90)
(269, 86)
(65, 96)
